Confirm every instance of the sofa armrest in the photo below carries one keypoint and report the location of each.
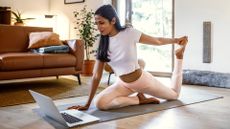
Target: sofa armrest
(77, 49)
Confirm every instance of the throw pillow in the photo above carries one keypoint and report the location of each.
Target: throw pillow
(43, 39)
(52, 49)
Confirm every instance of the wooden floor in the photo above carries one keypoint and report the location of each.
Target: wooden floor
(213, 114)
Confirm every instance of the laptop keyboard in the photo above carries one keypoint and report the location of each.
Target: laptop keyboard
(70, 119)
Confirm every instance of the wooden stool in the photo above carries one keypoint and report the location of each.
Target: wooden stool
(109, 70)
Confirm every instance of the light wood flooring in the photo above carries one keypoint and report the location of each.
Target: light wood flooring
(213, 114)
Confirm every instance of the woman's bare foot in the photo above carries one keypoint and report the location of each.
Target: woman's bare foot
(180, 51)
(144, 100)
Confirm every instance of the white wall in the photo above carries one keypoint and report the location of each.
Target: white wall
(189, 17)
(65, 16)
(64, 12)
(63, 19)
(29, 9)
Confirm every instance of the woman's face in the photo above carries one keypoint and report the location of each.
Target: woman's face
(104, 25)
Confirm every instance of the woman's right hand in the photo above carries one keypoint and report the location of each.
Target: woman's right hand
(98, 67)
(79, 107)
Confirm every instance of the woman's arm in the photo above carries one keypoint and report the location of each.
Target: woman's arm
(146, 39)
(97, 74)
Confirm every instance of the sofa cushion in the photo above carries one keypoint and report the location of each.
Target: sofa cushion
(20, 61)
(52, 49)
(59, 60)
(12, 39)
(43, 39)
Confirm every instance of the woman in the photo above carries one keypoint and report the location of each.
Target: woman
(118, 48)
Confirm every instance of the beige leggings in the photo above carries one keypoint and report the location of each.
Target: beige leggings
(118, 94)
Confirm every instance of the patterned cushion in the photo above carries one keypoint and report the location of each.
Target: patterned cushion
(43, 39)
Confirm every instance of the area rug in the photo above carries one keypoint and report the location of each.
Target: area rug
(188, 96)
(14, 93)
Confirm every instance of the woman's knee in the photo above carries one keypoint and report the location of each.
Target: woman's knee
(100, 103)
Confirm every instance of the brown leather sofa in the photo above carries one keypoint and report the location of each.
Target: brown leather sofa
(17, 62)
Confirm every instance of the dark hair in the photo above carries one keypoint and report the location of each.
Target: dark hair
(108, 12)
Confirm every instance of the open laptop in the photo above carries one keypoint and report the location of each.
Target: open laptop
(68, 118)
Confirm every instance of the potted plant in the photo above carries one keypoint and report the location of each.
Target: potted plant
(18, 19)
(86, 29)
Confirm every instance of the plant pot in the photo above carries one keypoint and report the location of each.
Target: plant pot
(87, 68)
(18, 24)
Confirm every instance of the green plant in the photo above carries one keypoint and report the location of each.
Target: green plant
(87, 30)
(17, 17)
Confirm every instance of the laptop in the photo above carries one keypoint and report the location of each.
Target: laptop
(69, 118)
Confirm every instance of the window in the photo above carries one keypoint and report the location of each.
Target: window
(155, 18)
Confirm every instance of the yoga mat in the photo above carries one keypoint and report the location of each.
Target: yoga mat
(188, 96)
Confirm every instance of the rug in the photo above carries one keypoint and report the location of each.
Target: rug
(188, 96)
(14, 93)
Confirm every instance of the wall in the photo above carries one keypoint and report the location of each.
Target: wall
(29, 9)
(65, 15)
(63, 20)
(189, 17)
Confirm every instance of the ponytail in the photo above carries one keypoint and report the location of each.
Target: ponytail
(102, 52)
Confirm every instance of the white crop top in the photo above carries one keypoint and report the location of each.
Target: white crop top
(122, 51)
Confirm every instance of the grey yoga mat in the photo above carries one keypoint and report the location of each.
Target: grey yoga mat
(188, 96)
